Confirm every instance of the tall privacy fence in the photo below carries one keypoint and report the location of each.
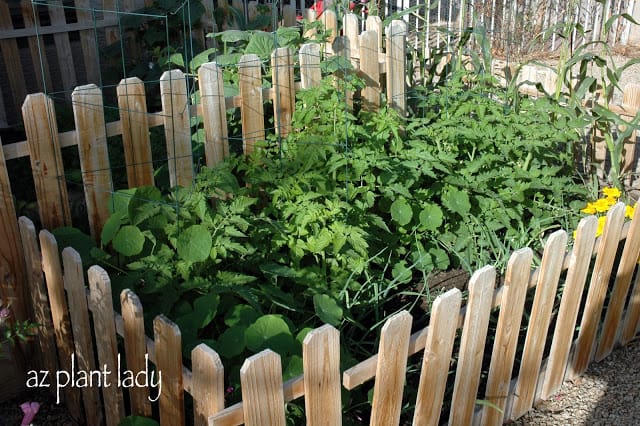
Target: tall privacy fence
(77, 324)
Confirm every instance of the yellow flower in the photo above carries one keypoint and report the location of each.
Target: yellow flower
(602, 205)
(611, 192)
(628, 212)
(589, 209)
(601, 222)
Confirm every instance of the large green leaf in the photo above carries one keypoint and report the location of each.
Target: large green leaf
(129, 241)
(269, 332)
(260, 43)
(327, 309)
(456, 200)
(232, 342)
(194, 243)
(431, 217)
(401, 212)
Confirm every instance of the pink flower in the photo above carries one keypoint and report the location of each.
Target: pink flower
(4, 313)
(30, 409)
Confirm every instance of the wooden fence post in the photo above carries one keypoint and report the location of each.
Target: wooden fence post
(101, 305)
(437, 357)
(289, 16)
(538, 327)
(135, 347)
(374, 23)
(474, 334)
(284, 98)
(330, 21)
(11, 55)
(396, 66)
(252, 108)
(370, 71)
(262, 397)
(88, 111)
(177, 127)
(207, 388)
(351, 32)
(321, 360)
(214, 113)
(310, 73)
(135, 132)
(169, 363)
(392, 364)
(46, 161)
(79, 315)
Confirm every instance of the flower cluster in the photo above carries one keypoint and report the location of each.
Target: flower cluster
(601, 206)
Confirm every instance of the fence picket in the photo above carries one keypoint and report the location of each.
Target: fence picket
(46, 161)
(289, 15)
(11, 55)
(135, 347)
(351, 31)
(631, 324)
(569, 305)
(101, 305)
(88, 112)
(374, 23)
(168, 341)
(284, 98)
(74, 284)
(503, 355)
(207, 388)
(370, 70)
(40, 303)
(626, 267)
(392, 363)
(261, 381)
(214, 113)
(63, 47)
(474, 334)
(538, 327)
(597, 291)
(330, 21)
(39, 62)
(252, 109)
(321, 366)
(396, 66)
(437, 358)
(88, 42)
(177, 127)
(135, 133)
(310, 73)
(60, 316)
(341, 47)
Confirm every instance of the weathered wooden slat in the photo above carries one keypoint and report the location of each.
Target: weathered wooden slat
(261, 381)
(135, 349)
(474, 334)
(39, 62)
(63, 47)
(11, 55)
(214, 115)
(631, 100)
(177, 127)
(252, 109)
(506, 336)
(74, 284)
(284, 100)
(321, 366)
(374, 23)
(88, 112)
(208, 384)
(569, 305)
(101, 305)
(437, 358)
(538, 327)
(626, 267)
(341, 47)
(39, 299)
(87, 38)
(597, 291)
(392, 364)
(631, 323)
(330, 21)
(396, 66)
(169, 361)
(135, 132)
(311, 16)
(351, 32)
(370, 71)
(62, 326)
(46, 161)
(289, 16)
(310, 74)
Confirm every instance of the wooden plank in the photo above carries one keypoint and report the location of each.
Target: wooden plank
(391, 370)
(340, 47)
(8, 33)
(74, 284)
(321, 366)
(631, 324)
(311, 16)
(101, 305)
(88, 39)
(177, 127)
(597, 291)
(135, 349)
(330, 21)
(39, 299)
(289, 16)
(62, 327)
(550, 270)
(474, 333)
(506, 336)
(370, 71)
(284, 100)
(437, 358)
(208, 384)
(569, 305)
(91, 138)
(46, 161)
(631, 100)
(396, 66)
(11, 55)
(351, 30)
(310, 73)
(261, 382)
(252, 109)
(135, 132)
(39, 61)
(168, 340)
(63, 47)
(14, 290)
(626, 267)
(374, 23)
(214, 113)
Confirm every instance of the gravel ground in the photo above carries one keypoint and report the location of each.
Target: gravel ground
(607, 394)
